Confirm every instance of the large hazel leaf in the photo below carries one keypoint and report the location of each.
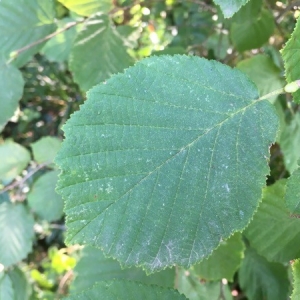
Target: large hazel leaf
(163, 162)
(285, 227)
(98, 53)
(121, 289)
(230, 7)
(11, 90)
(23, 22)
(291, 58)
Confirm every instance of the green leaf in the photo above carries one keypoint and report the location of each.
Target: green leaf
(230, 7)
(291, 58)
(59, 47)
(260, 279)
(98, 53)
(149, 145)
(14, 159)
(45, 149)
(296, 281)
(94, 266)
(252, 33)
(224, 261)
(88, 7)
(23, 22)
(43, 199)
(290, 142)
(250, 11)
(194, 289)
(277, 224)
(11, 90)
(292, 196)
(264, 73)
(17, 233)
(14, 285)
(121, 289)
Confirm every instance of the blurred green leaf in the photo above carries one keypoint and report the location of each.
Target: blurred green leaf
(260, 279)
(273, 232)
(224, 261)
(292, 196)
(17, 233)
(88, 7)
(191, 286)
(121, 289)
(14, 159)
(59, 47)
(11, 90)
(43, 199)
(252, 33)
(264, 73)
(41, 279)
(45, 149)
(23, 22)
(98, 53)
(291, 58)
(296, 280)
(60, 261)
(289, 141)
(94, 266)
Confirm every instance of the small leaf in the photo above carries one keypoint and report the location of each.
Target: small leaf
(260, 279)
(121, 289)
(17, 233)
(291, 58)
(11, 90)
(163, 162)
(252, 33)
(98, 53)
(88, 7)
(224, 261)
(296, 281)
(230, 7)
(264, 73)
(14, 159)
(43, 199)
(292, 196)
(23, 22)
(278, 225)
(45, 149)
(94, 266)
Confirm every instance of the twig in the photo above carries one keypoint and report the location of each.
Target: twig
(63, 281)
(286, 10)
(26, 177)
(16, 53)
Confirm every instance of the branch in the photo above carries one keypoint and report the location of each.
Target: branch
(25, 178)
(14, 54)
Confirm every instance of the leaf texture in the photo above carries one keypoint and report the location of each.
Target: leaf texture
(230, 7)
(164, 161)
(292, 196)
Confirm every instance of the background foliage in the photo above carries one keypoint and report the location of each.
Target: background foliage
(53, 52)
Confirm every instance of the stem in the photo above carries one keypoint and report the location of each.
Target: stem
(274, 93)
(26, 177)
(16, 53)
